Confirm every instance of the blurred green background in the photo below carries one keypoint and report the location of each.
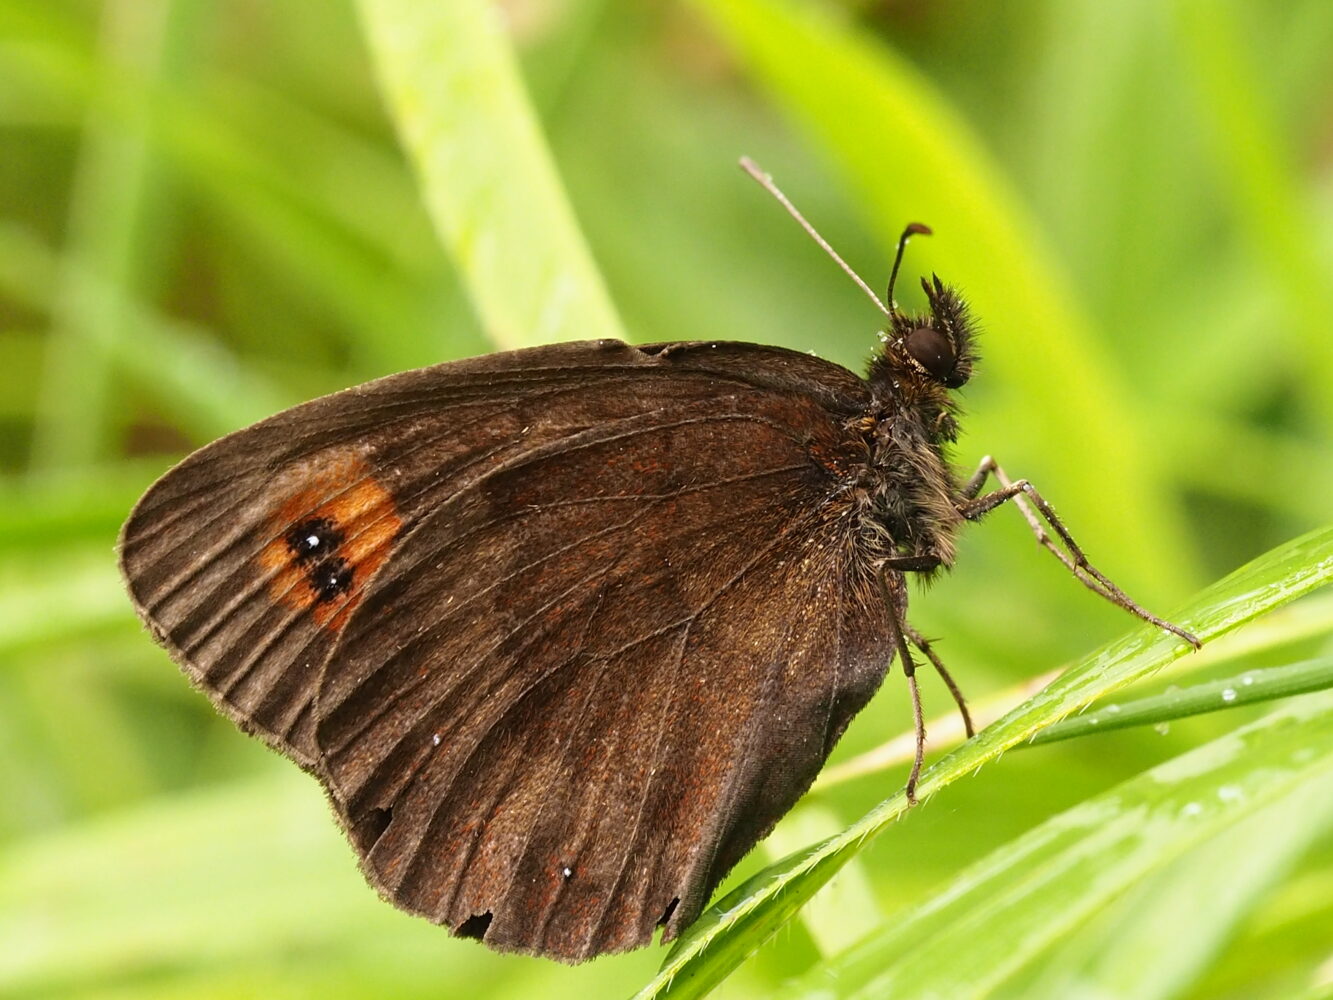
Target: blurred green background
(206, 215)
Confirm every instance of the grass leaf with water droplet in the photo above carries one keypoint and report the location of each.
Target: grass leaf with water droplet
(1249, 688)
(1009, 907)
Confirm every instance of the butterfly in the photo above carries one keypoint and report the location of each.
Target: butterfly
(564, 631)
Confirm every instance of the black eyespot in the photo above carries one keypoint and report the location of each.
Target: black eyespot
(330, 578)
(313, 539)
(934, 352)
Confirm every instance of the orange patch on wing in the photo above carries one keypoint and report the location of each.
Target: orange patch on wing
(356, 520)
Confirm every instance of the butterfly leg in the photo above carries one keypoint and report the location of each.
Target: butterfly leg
(924, 647)
(895, 601)
(915, 563)
(974, 507)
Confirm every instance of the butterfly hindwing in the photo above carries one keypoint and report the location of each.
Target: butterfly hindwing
(563, 637)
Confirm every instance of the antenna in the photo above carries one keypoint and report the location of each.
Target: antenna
(766, 182)
(913, 229)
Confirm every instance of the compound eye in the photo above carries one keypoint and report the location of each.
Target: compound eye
(934, 352)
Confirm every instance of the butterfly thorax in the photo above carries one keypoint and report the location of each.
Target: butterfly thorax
(906, 490)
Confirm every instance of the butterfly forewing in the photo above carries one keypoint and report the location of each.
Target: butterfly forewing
(223, 555)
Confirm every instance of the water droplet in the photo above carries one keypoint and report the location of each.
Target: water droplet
(1112, 709)
(1230, 793)
(1229, 694)
(1247, 680)
(1191, 809)
(435, 739)
(1162, 727)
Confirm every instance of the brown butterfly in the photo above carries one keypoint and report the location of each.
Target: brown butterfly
(564, 631)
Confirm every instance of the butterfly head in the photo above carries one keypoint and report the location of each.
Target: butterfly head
(926, 355)
(935, 347)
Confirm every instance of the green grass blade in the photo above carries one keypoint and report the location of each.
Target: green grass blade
(1011, 906)
(726, 934)
(906, 153)
(1153, 942)
(454, 89)
(1250, 688)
